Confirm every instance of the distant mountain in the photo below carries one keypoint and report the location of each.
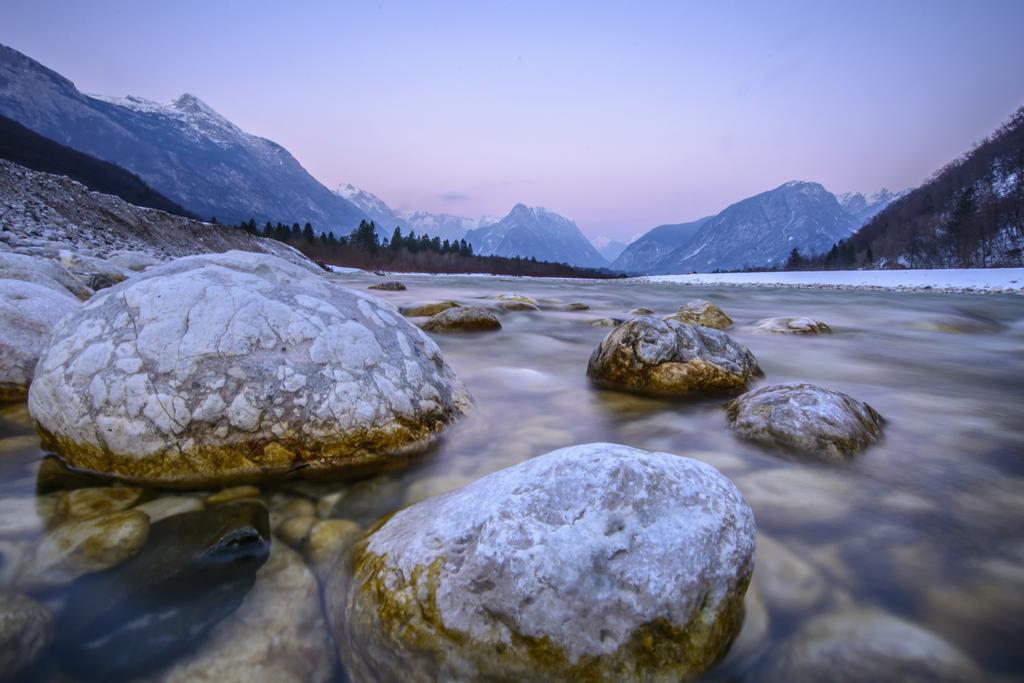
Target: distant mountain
(373, 206)
(443, 225)
(31, 150)
(646, 252)
(865, 207)
(968, 214)
(539, 233)
(608, 248)
(762, 230)
(184, 149)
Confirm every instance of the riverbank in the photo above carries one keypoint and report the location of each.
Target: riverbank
(953, 280)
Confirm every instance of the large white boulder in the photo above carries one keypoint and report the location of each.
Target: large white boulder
(594, 562)
(28, 314)
(235, 365)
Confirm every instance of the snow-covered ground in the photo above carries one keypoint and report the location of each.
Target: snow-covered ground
(954, 279)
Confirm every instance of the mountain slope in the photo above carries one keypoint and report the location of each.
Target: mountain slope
(969, 214)
(43, 213)
(865, 207)
(443, 225)
(609, 248)
(763, 229)
(657, 243)
(31, 150)
(184, 150)
(538, 233)
(373, 206)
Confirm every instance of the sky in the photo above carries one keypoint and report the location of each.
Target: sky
(619, 115)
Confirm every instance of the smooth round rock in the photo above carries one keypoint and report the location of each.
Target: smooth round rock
(594, 562)
(168, 506)
(865, 646)
(29, 312)
(653, 356)
(462, 319)
(705, 313)
(136, 261)
(520, 306)
(93, 502)
(26, 629)
(43, 272)
(226, 367)
(642, 310)
(577, 306)
(427, 310)
(606, 322)
(805, 420)
(76, 548)
(792, 326)
(231, 494)
(519, 298)
(794, 497)
(389, 286)
(789, 583)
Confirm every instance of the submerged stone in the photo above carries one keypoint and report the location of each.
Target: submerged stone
(805, 420)
(521, 306)
(653, 356)
(94, 502)
(705, 313)
(227, 367)
(594, 562)
(195, 571)
(462, 319)
(864, 646)
(26, 629)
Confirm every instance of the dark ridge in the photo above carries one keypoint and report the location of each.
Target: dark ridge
(32, 150)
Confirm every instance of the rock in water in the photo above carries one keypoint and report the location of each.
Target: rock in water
(28, 314)
(866, 646)
(805, 420)
(389, 286)
(792, 326)
(594, 562)
(195, 570)
(26, 628)
(277, 635)
(462, 319)
(222, 367)
(427, 310)
(654, 356)
(701, 312)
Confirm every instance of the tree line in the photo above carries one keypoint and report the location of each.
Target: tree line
(365, 248)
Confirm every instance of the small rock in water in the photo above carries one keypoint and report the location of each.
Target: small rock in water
(328, 538)
(28, 314)
(94, 502)
(789, 583)
(194, 572)
(295, 530)
(577, 306)
(517, 306)
(232, 494)
(864, 646)
(277, 634)
(705, 313)
(792, 326)
(26, 629)
(427, 310)
(805, 420)
(595, 562)
(518, 298)
(389, 286)
(76, 548)
(794, 497)
(220, 368)
(642, 310)
(462, 319)
(607, 322)
(168, 506)
(666, 357)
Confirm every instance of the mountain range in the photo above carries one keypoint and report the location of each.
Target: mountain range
(443, 225)
(184, 150)
(760, 231)
(539, 233)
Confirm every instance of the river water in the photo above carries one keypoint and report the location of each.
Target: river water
(927, 526)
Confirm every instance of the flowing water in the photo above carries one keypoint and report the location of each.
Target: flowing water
(928, 525)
